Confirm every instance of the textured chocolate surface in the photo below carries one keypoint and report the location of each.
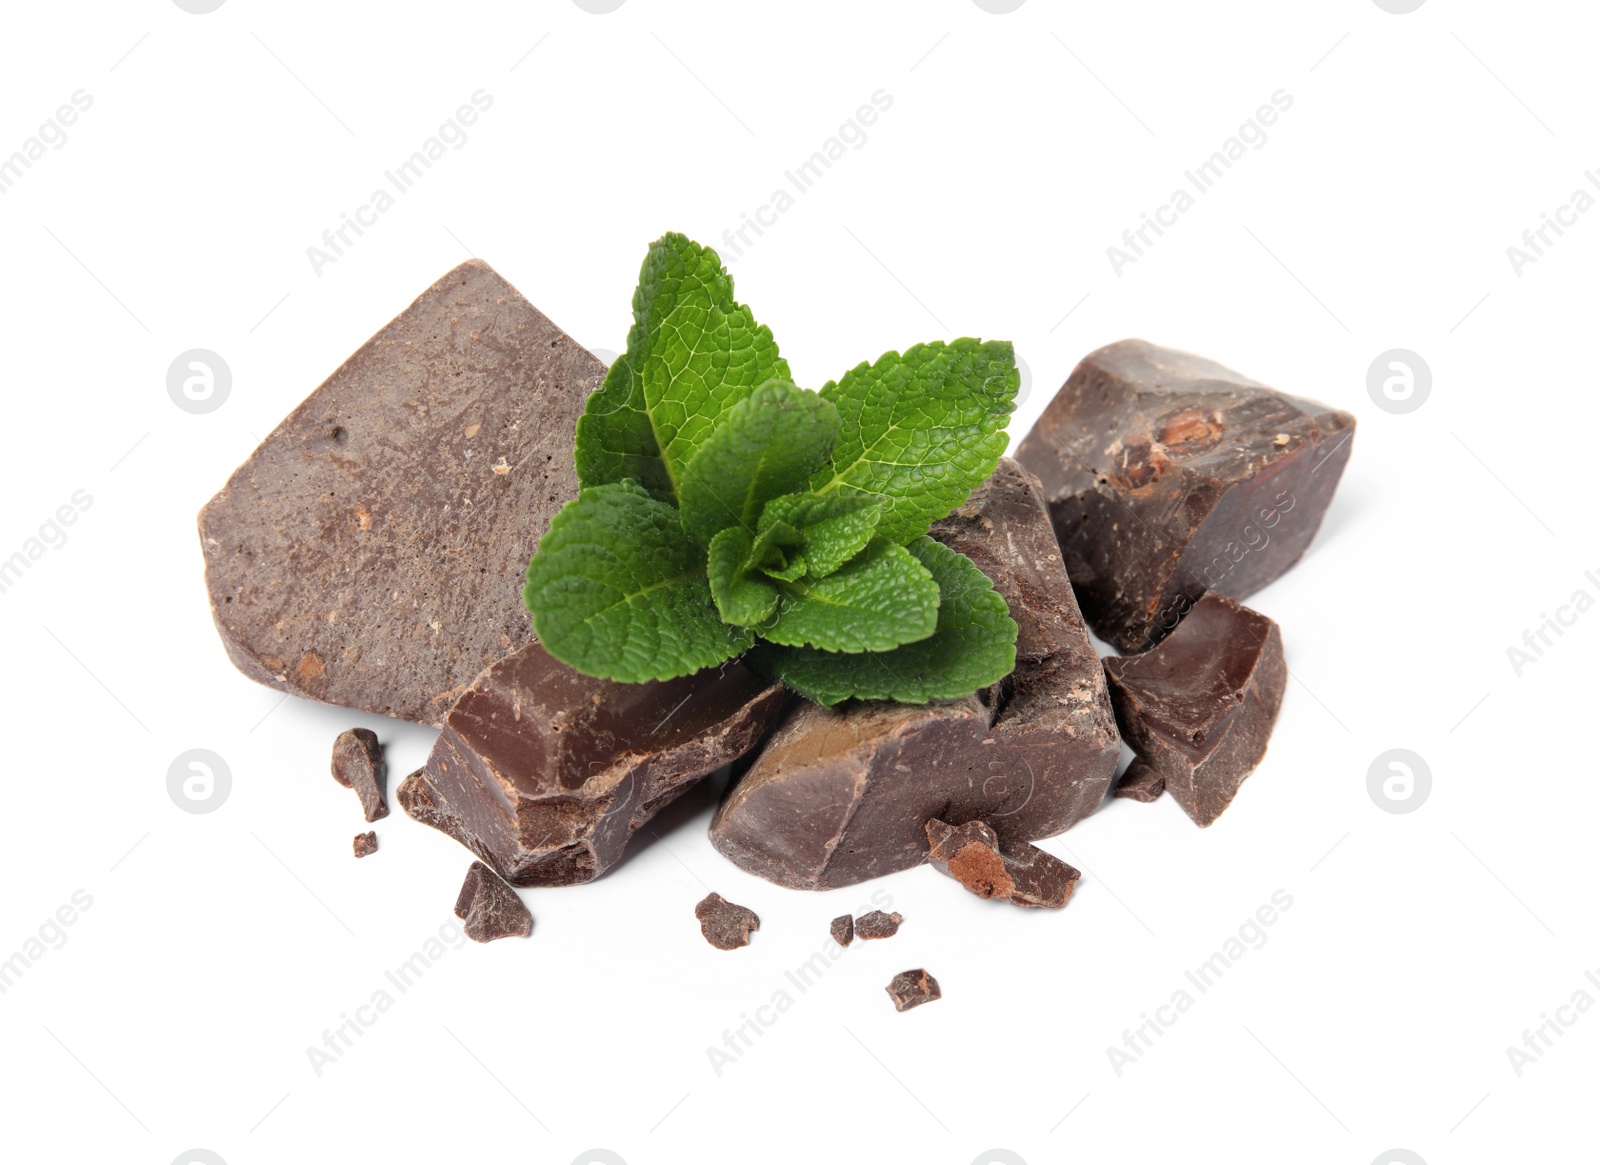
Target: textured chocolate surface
(490, 908)
(547, 772)
(1169, 476)
(1199, 708)
(913, 988)
(364, 844)
(1015, 872)
(422, 802)
(877, 924)
(370, 553)
(842, 929)
(358, 764)
(837, 797)
(726, 926)
(1140, 783)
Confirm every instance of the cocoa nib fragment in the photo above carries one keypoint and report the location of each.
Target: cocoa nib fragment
(358, 764)
(1169, 476)
(1016, 872)
(1141, 782)
(1199, 708)
(913, 988)
(842, 929)
(877, 924)
(490, 908)
(365, 843)
(725, 925)
(545, 773)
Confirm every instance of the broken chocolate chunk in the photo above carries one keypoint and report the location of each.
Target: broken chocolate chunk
(1198, 708)
(545, 772)
(911, 989)
(842, 929)
(725, 925)
(365, 843)
(1169, 476)
(490, 908)
(370, 553)
(877, 924)
(838, 796)
(1140, 782)
(358, 764)
(1017, 872)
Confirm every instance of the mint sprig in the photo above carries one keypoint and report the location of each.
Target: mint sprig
(723, 507)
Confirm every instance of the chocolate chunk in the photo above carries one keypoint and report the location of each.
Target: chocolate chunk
(1140, 782)
(840, 796)
(725, 925)
(358, 764)
(546, 772)
(911, 989)
(366, 843)
(842, 929)
(1018, 872)
(1198, 709)
(1169, 476)
(371, 552)
(422, 802)
(877, 924)
(490, 908)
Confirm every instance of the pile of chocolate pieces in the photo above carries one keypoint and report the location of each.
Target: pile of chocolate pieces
(370, 554)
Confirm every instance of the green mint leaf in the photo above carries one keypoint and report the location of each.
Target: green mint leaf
(776, 551)
(974, 646)
(769, 443)
(921, 430)
(693, 351)
(880, 599)
(833, 528)
(740, 599)
(617, 591)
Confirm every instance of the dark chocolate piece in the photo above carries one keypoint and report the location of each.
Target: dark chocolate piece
(1140, 782)
(1169, 476)
(725, 925)
(877, 924)
(358, 764)
(842, 929)
(371, 552)
(911, 989)
(490, 908)
(422, 802)
(840, 796)
(365, 843)
(1198, 709)
(1020, 873)
(550, 771)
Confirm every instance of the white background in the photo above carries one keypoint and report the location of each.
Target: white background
(179, 1009)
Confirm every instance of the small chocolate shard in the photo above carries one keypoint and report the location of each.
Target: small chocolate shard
(491, 909)
(877, 924)
(913, 988)
(842, 929)
(365, 843)
(358, 764)
(1199, 708)
(1141, 782)
(1020, 873)
(726, 926)
(1168, 476)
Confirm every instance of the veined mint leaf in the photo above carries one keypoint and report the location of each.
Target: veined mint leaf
(974, 646)
(833, 528)
(880, 599)
(776, 551)
(741, 599)
(693, 351)
(921, 430)
(769, 443)
(617, 591)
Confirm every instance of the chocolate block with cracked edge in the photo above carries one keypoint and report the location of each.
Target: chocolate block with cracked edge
(546, 772)
(371, 551)
(1169, 476)
(1198, 708)
(839, 796)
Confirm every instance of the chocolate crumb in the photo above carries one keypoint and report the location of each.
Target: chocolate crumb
(490, 908)
(878, 925)
(726, 926)
(366, 843)
(842, 929)
(911, 989)
(358, 764)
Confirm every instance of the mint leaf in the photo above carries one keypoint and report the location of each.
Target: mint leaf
(833, 528)
(776, 551)
(740, 599)
(880, 599)
(617, 591)
(921, 430)
(974, 646)
(769, 443)
(693, 351)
